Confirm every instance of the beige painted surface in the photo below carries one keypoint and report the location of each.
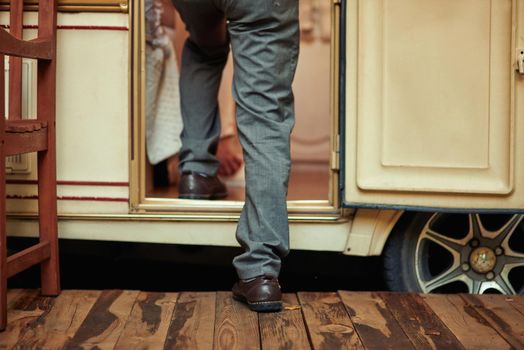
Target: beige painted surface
(92, 114)
(433, 103)
(93, 107)
(326, 237)
(93, 127)
(370, 230)
(93, 136)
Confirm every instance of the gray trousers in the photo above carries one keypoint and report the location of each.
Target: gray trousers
(264, 37)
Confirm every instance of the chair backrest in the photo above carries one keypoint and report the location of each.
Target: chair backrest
(42, 48)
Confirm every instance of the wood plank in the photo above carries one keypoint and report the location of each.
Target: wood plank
(18, 299)
(470, 328)
(61, 323)
(236, 326)
(327, 322)
(503, 317)
(422, 326)
(12, 296)
(149, 321)
(22, 298)
(375, 325)
(193, 322)
(105, 321)
(27, 311)
(517, 301)
(28, 257)
(286, 329)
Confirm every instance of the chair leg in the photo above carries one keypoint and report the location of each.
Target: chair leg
(50, 273)
(3, 245)
(3, 248)
(3, 252)
(3, 279)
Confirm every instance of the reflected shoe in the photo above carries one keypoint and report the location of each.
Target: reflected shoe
(200, 186)
(261, 294)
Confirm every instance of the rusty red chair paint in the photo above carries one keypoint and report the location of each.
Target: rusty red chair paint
(22, 136)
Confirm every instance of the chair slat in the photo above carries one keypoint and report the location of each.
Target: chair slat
(16, 13)
(15, 63)
(40, 48)
(15, 88)
(47, 69)
(25, 142)
(28, 257)
(2, 91)
(47, 18)
(27, 125)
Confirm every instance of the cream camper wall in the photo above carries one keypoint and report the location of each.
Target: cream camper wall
(93, 84)
(434, 103)
(95, 98)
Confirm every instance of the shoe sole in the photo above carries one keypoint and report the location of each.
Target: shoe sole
(261, 306)
(202, 196)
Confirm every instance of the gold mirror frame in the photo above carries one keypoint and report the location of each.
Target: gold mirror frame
(321, 211)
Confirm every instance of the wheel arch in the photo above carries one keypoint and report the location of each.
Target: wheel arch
(372, 228)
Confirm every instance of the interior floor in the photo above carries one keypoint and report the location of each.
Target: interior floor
(308, 181)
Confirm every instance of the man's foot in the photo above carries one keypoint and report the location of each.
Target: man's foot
(200, 186)
(261, 294)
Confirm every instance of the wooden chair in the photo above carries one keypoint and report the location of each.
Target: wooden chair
(22, 136)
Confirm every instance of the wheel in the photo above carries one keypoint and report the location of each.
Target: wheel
(472, 253)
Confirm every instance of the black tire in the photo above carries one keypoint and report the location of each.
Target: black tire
(399, 253)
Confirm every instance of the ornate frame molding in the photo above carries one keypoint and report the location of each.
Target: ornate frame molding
(316, 211)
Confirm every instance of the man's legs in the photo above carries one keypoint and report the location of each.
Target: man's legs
(265, 39)
(204, 56)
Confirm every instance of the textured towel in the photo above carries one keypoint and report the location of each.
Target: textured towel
(163, 116)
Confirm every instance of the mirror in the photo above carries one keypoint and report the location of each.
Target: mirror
(311, 139)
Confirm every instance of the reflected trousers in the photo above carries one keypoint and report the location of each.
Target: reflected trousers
(264, 38)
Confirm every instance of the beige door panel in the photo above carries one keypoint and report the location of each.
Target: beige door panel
(433, 103)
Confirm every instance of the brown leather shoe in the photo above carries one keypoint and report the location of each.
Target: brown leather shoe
(261, 294)
(200, 186)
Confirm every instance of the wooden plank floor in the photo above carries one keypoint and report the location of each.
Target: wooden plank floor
(116, 319)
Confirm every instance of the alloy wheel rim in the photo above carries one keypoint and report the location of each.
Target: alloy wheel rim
(482, 260)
